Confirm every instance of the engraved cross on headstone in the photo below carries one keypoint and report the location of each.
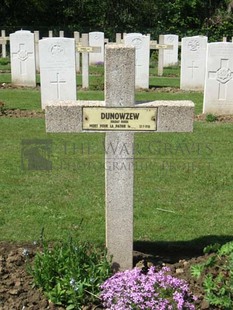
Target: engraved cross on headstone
(22, 54)
(223, 75)
(167, 116)
(58, 83)
(193, 67)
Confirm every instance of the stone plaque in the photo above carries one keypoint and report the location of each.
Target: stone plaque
(119, 119)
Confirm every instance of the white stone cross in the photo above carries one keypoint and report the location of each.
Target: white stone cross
(85, 49)
(3, 42)
(161, 47)
(223, 75)
(119, 117)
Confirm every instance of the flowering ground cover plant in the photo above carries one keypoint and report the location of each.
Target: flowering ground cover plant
(138, 290)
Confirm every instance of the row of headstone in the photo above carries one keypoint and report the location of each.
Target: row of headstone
(96, 39)
(209, 67)
(58, 77)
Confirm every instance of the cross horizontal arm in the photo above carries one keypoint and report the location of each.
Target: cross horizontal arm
(3, 40)
(88, 49)
(161, 46)
(67, 116)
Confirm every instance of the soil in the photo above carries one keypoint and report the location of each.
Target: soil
(17, 113)
(16, 285)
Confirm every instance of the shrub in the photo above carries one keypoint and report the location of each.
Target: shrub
(134, 289)
(211, 118)
(4, 61)
(70, 274)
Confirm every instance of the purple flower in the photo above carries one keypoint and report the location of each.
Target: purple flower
(133, 289)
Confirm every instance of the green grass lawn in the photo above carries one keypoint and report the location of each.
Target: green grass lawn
(183, 182)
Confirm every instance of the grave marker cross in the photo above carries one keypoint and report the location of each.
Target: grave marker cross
(85, 49)
(176, 116)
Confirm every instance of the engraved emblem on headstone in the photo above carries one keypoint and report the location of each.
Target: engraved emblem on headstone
(194, 45)
(137, 43)
(170, 39)
(22, 53)
(57, 49)
(224, 75)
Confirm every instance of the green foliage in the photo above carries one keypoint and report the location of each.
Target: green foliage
(218, 287)
(70, 273)
(226, 249)
(212, 248)
(196, 270)
(211, 118)
(183, 17)
(4, 61)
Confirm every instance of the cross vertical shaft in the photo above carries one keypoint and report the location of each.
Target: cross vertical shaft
(119, 171)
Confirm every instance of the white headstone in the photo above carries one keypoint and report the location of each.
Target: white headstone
(218, 91)
(23, 64)
(171, 55)
(142, 63)
(193, 63)
(96, 39)
(57, 69)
